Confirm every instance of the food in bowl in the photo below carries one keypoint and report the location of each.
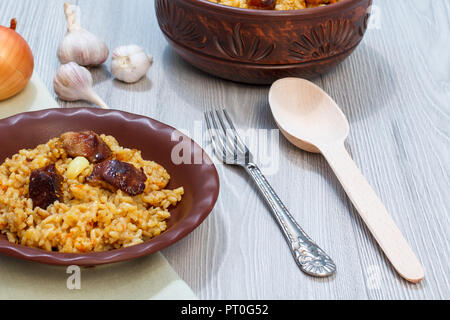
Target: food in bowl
(275, 4)
(83, 192)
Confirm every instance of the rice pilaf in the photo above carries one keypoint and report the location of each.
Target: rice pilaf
(280, 4)
(89, 218)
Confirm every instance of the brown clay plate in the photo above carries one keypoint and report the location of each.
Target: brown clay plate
(153, 138)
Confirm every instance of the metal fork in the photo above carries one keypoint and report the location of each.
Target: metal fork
(230, 148)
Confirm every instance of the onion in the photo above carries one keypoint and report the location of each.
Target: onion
(16, 62)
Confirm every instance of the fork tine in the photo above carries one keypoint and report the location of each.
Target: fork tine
(241, 143)
(228, 149)
(217, 144)
(225, 138)
(221, 137)
(229, 134)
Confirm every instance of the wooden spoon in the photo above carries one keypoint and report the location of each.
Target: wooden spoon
(312, 121)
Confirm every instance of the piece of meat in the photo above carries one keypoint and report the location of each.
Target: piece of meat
(262, 4)
(119, 175)
(86, 144)
(96, 180)
(45, 186)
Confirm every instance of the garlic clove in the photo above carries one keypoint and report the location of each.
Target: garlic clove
(130, 63)
(80, 45)
(73, 82)
(76, 167)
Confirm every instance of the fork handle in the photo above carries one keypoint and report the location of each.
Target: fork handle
(309, 257)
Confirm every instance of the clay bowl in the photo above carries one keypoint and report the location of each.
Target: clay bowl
(261, 46)
(156, 141)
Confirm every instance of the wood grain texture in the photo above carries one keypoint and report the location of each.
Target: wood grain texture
(395, 91)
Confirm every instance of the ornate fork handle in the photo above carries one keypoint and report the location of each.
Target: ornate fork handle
(309, 257)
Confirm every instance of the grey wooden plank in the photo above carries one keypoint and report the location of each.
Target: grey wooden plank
(389, 134)
(394, 90)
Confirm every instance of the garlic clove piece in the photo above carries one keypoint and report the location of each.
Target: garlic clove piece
(130, 63)
(80, 45)
(73, 82)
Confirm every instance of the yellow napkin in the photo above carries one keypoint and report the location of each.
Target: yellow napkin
(149, 277)
(34, 97)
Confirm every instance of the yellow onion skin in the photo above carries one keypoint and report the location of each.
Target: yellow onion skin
(16, 63)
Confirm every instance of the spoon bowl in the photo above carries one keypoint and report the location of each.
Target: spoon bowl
(306, 115)
(312, 121)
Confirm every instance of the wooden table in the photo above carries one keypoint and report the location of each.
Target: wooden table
(395, 90)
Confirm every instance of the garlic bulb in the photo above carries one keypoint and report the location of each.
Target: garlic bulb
(73, 82)
(130, 63)
(79, 45)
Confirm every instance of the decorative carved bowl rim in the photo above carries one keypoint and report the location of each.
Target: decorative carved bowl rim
(310, 12)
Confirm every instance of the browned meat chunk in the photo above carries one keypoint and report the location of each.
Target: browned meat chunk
(119, 175)
(45, 186)
(262, 4)
(86, 144)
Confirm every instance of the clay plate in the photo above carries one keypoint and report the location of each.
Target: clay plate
(153, 138)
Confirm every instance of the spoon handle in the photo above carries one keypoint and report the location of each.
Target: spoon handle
(309, 257)
(373, 213)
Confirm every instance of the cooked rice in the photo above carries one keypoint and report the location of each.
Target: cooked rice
(281, 4)
(89, 218)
